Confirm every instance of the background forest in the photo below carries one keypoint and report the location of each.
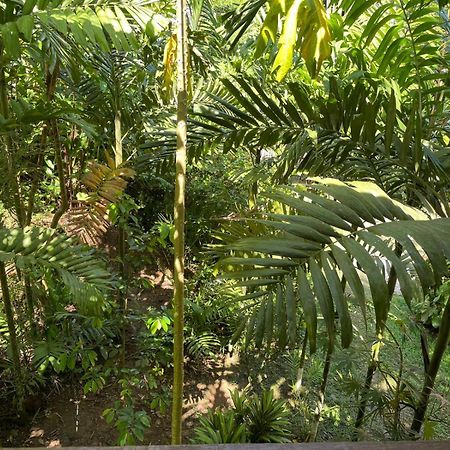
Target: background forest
(317, 291)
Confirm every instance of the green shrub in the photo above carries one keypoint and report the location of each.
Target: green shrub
(255, 419)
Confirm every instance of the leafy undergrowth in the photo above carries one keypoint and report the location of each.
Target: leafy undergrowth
(66, 415)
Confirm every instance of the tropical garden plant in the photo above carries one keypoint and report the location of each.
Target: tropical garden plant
(311, 225)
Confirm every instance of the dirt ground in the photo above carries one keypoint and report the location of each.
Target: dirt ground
(70, 418)
(67, 417)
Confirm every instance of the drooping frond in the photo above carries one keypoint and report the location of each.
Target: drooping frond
(333, 232)
(76, 265)
(352, 129)
(304, 26)
(104, 184)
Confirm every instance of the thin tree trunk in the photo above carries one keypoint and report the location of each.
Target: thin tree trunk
(61, 176)
(373, 364)
(254, 187)
(371, 369)
(34, 184)
(118, 158)
(8, 309)
(179, 216)
(301, 365)
(318, 412)
(118, 151)
(4, 111)
(50, 82)
(30, 305)
(433, 368)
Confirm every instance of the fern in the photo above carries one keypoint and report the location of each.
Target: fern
(205, 344)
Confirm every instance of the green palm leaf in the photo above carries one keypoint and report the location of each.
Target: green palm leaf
(81, 271)
(356, 227)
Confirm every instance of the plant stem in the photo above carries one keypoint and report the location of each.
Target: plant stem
(433, 368)
(8, 309)
(318, 412)
(301, 365)
(118, 158)
(61, 176)
(4, 111)
(179, 217)
(122, 294)
(373, 363)
(254, 187)
(30, 305)
(118, 152)
(50, 82)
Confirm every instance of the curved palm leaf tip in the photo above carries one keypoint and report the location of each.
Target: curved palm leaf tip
(76, 265)
(334, 231)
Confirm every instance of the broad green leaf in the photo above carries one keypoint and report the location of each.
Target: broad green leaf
(287, 42)
(28, 7)
(267, 262)
(255, 273)
(10, 36)
(376, 280)
(269, 28)
(25, 25)
(260, 324)
(281, 317)
(269, 320)
(291, 311)
(339, 299)
(390, 122)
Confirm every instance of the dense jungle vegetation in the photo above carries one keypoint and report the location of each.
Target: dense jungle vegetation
(316, 289)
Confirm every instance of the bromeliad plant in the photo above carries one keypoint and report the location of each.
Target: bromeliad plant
(316, 241)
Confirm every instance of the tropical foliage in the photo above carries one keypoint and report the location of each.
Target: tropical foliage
(309, 244)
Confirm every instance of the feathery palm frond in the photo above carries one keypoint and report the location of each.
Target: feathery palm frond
(355, 129)
(89, 22)
(76, 265)
(333, 231)
(105, 184)
(404, 40)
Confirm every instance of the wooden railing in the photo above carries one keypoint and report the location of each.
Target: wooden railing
(397, 445)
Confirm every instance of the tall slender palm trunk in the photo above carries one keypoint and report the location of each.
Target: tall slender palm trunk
(179, 215)
(118, 159)
(432, 369)
(373, 363)
(9, 313)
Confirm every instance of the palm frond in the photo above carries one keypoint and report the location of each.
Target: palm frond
(329, 232)
(105, 184)
(84, 274)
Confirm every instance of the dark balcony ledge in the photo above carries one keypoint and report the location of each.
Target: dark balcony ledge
(391, 445)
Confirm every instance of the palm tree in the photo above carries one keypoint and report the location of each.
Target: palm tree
(179, 215)
(370, 120)
(75, 265)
